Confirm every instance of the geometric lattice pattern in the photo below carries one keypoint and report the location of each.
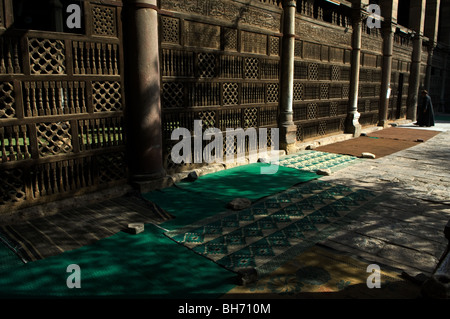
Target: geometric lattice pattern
(272, 92)
(107, 96)
(314, 160)
(299, 134)
(298, 91)
(173, 94)
(274, 229)
(208, 119)
(103, 19)
(7, 101)
(250, 117)
(324, 88)
(170, 30)
(335, 73)
(345, 91)
(12, 187)
(47, 56)
(313, 71)
(54, 138)
(251, 68)
(230, 93)
(62, 75)
(274, 45)
(333, 109)
(111, 167)
(312, 111)
(230, 39)
(322, 128)
(230, 145)
(206, 65)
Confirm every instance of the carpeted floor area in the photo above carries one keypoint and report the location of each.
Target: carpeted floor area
(404, 134)
(377, 146)
(276, 228)
(380, 143)
(209, 194)
(146, 265)
(315, 160)
(74, 228)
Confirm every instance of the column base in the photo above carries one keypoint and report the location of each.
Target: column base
(352, 125)
(288, 137)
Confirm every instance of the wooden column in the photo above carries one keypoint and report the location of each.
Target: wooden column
(144, 139)
(287, 127)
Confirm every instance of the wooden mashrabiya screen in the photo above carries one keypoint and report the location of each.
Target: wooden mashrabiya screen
(61, 109)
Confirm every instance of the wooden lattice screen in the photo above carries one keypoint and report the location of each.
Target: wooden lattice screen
(401, 65)
(61, 109)
(219, 64)
(321, 71)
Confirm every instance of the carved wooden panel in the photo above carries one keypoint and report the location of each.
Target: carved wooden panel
(311, 51)
(202, 35)
(253, 42)
(237, 12)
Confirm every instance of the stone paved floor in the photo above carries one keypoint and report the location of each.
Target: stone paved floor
(405, 231)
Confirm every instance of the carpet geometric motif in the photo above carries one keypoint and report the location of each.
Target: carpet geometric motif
(265, 235)
(314, 160)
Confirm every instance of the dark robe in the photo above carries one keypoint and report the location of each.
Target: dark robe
(425, 113)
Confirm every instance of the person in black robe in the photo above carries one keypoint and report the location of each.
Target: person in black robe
(425, 112)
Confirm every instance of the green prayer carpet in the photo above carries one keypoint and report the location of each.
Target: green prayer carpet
(128, 266)
(209, 194)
